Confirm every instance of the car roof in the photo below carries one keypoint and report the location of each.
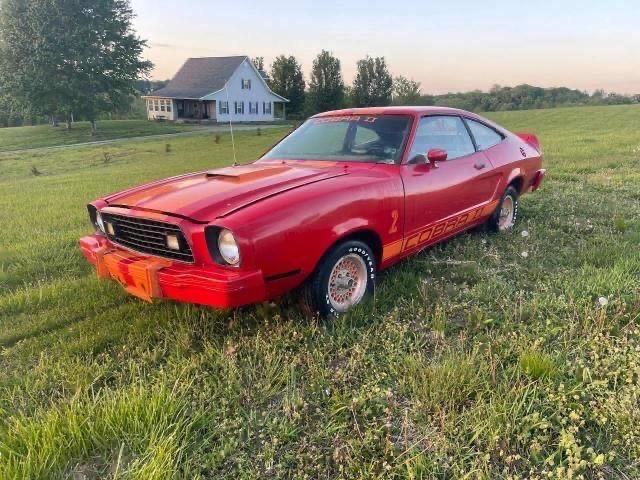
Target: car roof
(409, 110)
(414, 111)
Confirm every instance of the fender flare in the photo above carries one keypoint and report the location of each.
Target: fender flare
(354, 228)
(516, 173)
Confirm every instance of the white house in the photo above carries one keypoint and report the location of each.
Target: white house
(218, 89)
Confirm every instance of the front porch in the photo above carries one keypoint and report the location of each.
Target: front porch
(196, 110)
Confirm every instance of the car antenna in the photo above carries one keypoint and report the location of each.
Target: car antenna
(233, 143)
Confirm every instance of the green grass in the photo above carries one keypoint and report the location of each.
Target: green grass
(474, 361)
(16, 138)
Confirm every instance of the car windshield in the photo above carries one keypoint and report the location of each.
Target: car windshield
(351, 138)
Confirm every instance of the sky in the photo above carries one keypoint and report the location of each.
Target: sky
(448, 46)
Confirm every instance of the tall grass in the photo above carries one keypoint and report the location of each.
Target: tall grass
(473, 362)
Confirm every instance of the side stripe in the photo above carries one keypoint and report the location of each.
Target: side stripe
(435, 231)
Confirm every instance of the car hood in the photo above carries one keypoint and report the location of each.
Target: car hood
(217, 193)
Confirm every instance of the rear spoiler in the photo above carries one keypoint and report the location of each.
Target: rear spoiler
(531, 139)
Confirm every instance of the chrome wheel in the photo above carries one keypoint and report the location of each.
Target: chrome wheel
(347, 282)
(507, 213)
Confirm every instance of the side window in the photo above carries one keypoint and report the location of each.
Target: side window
(485, 137)
(445, 132)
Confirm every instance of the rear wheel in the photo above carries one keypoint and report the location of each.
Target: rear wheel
(344, 277)
(505, 216)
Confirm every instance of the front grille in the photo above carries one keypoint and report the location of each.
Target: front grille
(148, 236)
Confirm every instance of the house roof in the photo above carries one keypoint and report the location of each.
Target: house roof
(200, 76)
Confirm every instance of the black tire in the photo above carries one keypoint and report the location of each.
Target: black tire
(315, 292)
(494, 224)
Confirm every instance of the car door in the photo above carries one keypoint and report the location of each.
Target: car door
(437, 194)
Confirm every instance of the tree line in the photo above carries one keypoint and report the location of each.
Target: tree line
(374, 85)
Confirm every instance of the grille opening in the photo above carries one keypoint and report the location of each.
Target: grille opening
(147, 236)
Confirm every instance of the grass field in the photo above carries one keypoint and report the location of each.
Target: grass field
(17, 138)
(514, 356)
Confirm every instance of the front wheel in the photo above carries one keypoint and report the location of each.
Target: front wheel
(505, 216)
(344, 277)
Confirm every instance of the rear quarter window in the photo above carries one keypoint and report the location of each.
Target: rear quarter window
(484, 136)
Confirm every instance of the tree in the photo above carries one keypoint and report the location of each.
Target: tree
(405, 91)
(145, 85)
(287, 80)
(83, 56)
(326, 89)
(373, 84)
(259, 64)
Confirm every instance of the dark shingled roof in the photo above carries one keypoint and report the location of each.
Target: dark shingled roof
(200, 76)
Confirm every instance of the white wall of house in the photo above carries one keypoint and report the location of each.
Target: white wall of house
(258, 94)
(161, 109)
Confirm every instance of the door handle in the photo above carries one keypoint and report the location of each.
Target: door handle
(479, 166)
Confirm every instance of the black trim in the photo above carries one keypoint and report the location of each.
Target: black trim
(147, 236)
(211, 234)
(279, 276)
(473, 139)
(93, 215)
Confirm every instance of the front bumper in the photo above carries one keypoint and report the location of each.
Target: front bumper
(150, 278)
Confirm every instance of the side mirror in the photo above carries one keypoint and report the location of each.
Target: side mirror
(436, 155)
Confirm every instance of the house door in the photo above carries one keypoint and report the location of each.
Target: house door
(180, 108)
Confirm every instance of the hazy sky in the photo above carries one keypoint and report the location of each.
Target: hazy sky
(446, 45)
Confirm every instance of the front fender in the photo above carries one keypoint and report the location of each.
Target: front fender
(291, 232)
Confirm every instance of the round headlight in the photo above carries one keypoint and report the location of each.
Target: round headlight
(99, 222)
(228, 247)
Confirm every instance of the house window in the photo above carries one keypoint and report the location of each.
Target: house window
(156, 106)
(239, 107)
(224, 108)
(246, 84)
(169, 105)
(162, 105)
(266, 108)
(253, 107)
(150, 105)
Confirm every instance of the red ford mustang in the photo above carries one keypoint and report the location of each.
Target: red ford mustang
(347, 194)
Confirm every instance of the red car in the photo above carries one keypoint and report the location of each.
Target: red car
(347, 194)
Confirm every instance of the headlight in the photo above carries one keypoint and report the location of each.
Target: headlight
(99, 222)
(228, 247)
